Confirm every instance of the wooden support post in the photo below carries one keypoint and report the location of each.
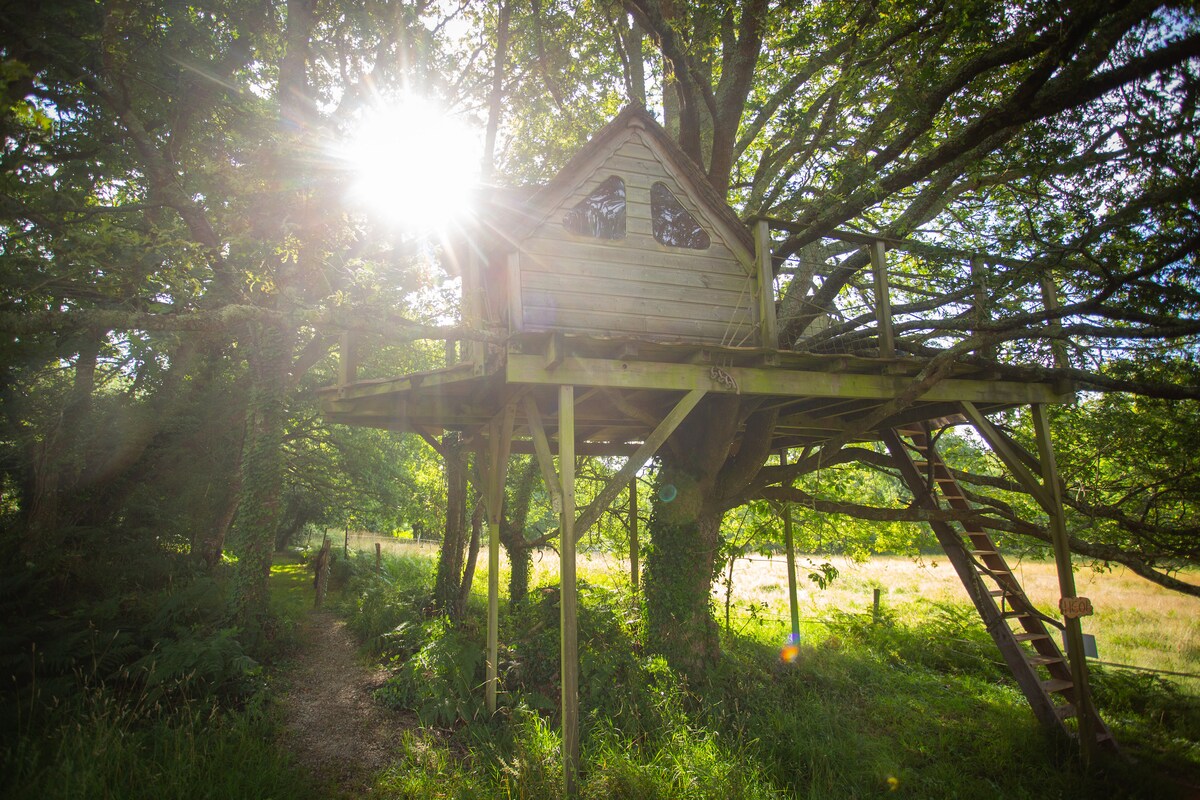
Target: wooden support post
(568, 612)
(789, 545)
(1066, 583)
(378, 558)
(883, 302)
(1011, 457)
(499, 441)
(634, 569)
(541, 446)
(1057, 346)
(875, 598)
(768, 325)
(640, 456)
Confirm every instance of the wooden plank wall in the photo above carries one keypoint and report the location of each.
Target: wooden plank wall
(635, 286)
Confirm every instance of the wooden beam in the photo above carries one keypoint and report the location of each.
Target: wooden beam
(768, 325)
(577, 370)
(1001, 447)
(541, 446)
(1066, 583)
(883, 299)
(494, 476)
(556, 349)
(568, 610)
(643, 454)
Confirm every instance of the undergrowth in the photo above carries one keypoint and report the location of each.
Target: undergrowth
(915, 702)
(127, 678)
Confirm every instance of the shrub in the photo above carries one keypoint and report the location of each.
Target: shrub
(441, 680)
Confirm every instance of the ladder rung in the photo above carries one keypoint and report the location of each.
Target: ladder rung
(1030, 637)
(1041, 661)
(1056, 685)
(983, 552)
(1065, 712)
(1000, 593)
(1014, 614)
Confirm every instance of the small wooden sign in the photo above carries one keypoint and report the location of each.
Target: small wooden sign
(1075, 607)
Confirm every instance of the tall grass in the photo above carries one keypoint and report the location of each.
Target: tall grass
(98, 745)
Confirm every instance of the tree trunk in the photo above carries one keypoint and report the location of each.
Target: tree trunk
(454, 538)
(262, 474)
(57, 463)
(468, 578)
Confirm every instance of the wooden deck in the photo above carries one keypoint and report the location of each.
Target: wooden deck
(626, 387)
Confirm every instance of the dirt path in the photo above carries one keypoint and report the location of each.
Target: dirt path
(331, 723)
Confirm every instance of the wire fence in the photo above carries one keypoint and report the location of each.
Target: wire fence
(743, 612)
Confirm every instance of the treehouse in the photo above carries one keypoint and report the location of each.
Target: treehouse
(607, 304)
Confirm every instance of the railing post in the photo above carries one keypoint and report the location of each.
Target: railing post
(982, 314)
(1050, 298)
(768, 325)
(883, 302)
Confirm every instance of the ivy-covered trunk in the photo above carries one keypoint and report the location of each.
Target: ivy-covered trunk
(447, 585)
(685, 538)
(512, 534)
(700, 471)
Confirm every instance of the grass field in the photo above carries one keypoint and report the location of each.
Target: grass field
(1136, 623)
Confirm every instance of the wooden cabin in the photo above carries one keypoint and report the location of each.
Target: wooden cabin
(628, 240)
(612, 300)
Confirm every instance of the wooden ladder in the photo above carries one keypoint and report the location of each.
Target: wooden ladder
(1018, 628)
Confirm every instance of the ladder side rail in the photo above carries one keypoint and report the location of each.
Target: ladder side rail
(1044, 709)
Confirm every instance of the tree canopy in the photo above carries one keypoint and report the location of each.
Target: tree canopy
(180, 252)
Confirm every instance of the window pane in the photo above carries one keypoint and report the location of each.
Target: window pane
(673, 225)
(601, 213)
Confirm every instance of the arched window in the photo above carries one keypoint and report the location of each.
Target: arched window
(601, 214)
(673, 225)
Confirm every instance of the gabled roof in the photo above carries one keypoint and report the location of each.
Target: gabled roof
(514, 220)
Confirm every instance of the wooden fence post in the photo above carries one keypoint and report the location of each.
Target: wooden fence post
(378, 558)
(322, 580)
